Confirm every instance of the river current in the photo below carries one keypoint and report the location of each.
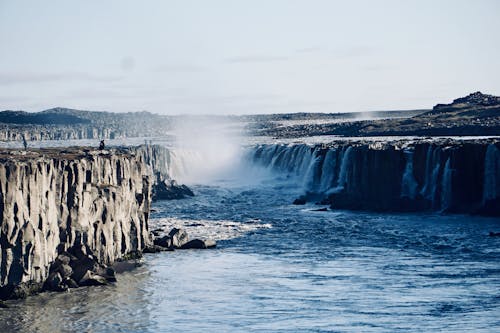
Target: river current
(279, 267)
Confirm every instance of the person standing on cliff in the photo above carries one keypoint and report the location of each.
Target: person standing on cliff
(101, 145)
(25, 142)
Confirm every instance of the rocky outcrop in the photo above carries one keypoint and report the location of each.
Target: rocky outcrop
(440, 175)
(162, 163)
(179, 239)
(53, 201)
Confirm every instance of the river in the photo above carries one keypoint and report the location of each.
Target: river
(285, 268)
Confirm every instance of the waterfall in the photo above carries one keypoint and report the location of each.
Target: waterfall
(328, 174)
(408, 183)
(433, 164)
(491, 188)
(344, 168)
(446, 190)
(313, 174)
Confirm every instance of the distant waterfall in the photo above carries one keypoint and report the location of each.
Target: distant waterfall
(408, 183)
(312, 176)
(433, 164)
(328, 174)
(491, 189)
(445, 176)
(446, 190)
(343, 173)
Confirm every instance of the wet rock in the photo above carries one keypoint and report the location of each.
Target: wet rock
(494, 234)
(199, 244)
(165, 241)
(179, 237)
(299, 201)
(156, 249)
(65, 270)
(170, 190)
(324, 209)
(91, 279)
(54, 282)
(81, 266)
(71, 283)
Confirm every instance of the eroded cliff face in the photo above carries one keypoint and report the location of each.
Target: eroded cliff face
(440, 175)
(52, 200)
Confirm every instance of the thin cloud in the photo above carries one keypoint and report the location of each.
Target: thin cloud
(312, 49)
(255, 59)
(179, 69)
(29, 78)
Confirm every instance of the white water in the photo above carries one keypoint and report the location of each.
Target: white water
(408, 184)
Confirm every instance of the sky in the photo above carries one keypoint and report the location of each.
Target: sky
(246, 57)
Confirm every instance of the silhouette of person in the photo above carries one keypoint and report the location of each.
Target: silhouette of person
(101, 145)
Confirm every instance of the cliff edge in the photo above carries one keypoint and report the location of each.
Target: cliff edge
(53, 201)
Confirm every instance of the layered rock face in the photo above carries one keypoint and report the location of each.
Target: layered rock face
(52, 200)
(439, 175)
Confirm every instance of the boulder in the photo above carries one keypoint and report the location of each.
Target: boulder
(165, 241)
(299, 201)
(170, 190)
(91, 279)
(54, 282)
(199, 244)
(65, 270)
(179, 237)
(81, 266)
(156, 249)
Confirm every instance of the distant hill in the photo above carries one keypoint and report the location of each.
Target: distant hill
(64, 123)
(40, 118)
(476, 114)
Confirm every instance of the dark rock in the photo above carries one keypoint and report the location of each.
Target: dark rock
(199, 244)
(125, 266)
(494, 234)
(165, 241)
(170, 190)
(71, 283)
(81, 266)
(299, 201)
(3, 305)
(91, 279)
(65, 270)
(156, 249)
(21, 290)
(132, 255)
(54, 282)
(179, 237)
(64, 258)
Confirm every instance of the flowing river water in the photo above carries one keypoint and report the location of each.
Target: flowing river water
(285, 268)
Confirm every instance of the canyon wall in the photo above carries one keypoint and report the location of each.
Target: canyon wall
(52, 200)
(424, 175)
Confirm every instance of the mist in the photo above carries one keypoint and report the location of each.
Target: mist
(206, 149)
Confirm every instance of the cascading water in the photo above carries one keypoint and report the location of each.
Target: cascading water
(408, 183)
(312, 178)
(446, 190)
(433, 165)
(344, 169)
(328, 172)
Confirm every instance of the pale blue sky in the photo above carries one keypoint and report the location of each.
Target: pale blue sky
(254, 56)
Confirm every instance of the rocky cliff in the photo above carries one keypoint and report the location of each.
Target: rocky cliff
(53, 200)
(440, 175)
